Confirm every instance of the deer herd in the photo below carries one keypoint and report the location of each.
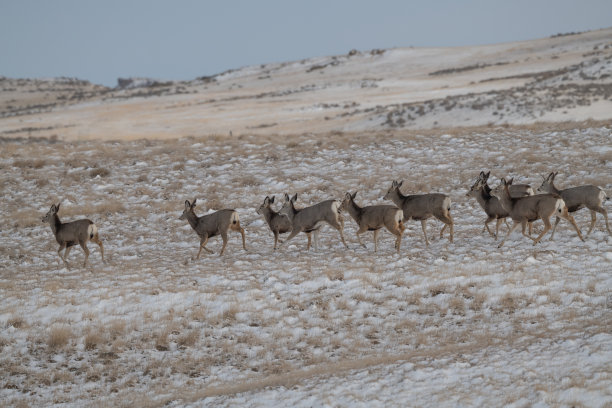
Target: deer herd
(507, 200)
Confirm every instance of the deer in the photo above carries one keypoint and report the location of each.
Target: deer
(310, 219)
(589, 196)
(71, 233)
(210, 225)
(278, 223)
(491, 205)
(423, 206)
(528, 209)
(373, 218)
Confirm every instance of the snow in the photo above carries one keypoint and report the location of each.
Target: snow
(446, 325)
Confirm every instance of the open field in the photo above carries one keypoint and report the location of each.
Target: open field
(452, 324)
(462, 324)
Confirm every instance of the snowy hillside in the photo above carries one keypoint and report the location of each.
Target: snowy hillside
(564, 78)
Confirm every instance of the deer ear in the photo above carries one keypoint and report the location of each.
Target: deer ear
(354, 195)
(400, 184)
(487, 175)
(272, 199)
(554, 175)
(286, 197)
(187, 204)
(294, 198)
(53, 209)
(57, 207)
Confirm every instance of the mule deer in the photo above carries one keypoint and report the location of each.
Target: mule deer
(589, 196)
(71, 233)
(491, 205)
(422, 206)
(278, 223)
(311, 219)
(373, 218)
(527, 209)
(516, 190)
(210, 225)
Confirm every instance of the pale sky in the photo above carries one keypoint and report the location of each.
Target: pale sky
(100, 41)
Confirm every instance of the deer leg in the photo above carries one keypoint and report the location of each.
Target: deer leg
(593, 219)
(83, 245)
(237, 227)
(339, 225)
(66, 252)
(554, 228)
(603, 212)
(376, 240)
(424, 227)
(530, 228)
(497, 224)
(203, 243)
(571, 220)
(98, 241)
(514, 226)
(486, 225)
(294, 232)
(224, 238)
(360, 231)
(308, 234)
(275, 238)
(59, 251)
(447, 219)
(547, 226)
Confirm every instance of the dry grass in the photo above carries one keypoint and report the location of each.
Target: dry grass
(259, 314)
(59, 337)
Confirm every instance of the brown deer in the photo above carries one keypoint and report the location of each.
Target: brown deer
(278, 223)
(373, 218)
(491, 205)
(311, 219)
(71, 233)
(422, 206)
(528, 209)
(210, 225)
(589, 196)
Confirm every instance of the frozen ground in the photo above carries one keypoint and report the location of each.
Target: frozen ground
(461, 324)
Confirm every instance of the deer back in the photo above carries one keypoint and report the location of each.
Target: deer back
(421, 206)
(577, 197)
(310, 218)
(215, 223)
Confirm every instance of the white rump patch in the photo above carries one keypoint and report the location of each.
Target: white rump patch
(399, 216)
(559, 206)
(602, 195)
(92, 231)
(447, 203)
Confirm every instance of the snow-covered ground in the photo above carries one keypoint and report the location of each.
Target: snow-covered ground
(452, 324)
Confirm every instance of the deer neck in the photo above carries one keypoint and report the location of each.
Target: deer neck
(398, 198)
(192, 219)
(354, 210)
(506, 201)
(482, 197)
(553, 190)
(55, 224)
(268, 213)
(291, 212)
